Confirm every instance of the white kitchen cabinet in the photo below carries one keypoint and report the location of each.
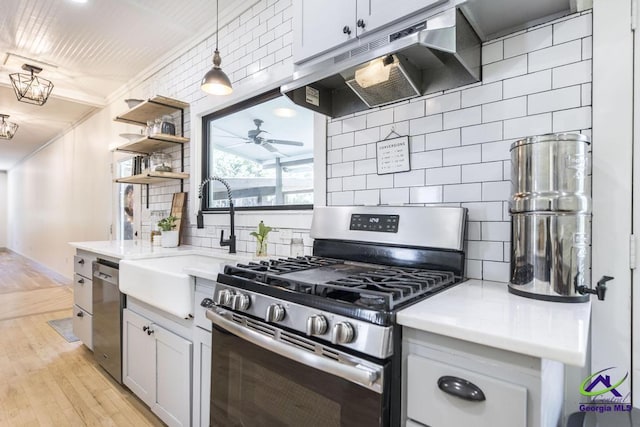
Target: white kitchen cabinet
(201, 377)
(519, 390)
(82, 297)
(323, 25)
(157, 368)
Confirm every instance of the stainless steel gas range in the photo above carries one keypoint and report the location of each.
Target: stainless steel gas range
(312, 341)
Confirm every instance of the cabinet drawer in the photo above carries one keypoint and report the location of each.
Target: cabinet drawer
(82, 265)
(82, 293)
(505, 404)
(82, 326)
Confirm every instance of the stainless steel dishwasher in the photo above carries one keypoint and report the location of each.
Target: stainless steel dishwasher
(108, 303)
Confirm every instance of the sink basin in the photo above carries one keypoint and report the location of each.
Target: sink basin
(162, 282)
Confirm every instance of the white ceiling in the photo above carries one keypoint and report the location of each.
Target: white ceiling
(88, 51)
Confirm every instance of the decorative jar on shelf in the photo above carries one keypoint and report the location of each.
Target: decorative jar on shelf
(160, 162)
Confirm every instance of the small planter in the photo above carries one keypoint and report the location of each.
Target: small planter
(169, 239)
(261, 247)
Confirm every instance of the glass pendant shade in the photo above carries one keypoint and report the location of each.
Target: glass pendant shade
(216, 82)
(30, 88)
(7, 129)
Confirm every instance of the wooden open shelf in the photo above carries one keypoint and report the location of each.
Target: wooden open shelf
(152, 177)
(150, 109)
(149, 144)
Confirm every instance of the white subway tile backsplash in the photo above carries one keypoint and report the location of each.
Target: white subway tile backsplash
(354, 123)
(482, 172)
(527, 126)
(363, 167)
(359, 152)
(461, 155)
(442, 103)
(484, 211)
(445, 139)
(409, 179)
(371, 150)
(482, 133)
(463, 117)
(334, 127)
(342, 169)
(473, 269)
(379, 181)
(394, 196)
(506, 170)
(426, 159)
(342, 140)
(410, 110)
(367, 197)
(572, 29)
(425, 194)
(496, 231)
(496, 191)
(554, 100)
(528, 42)
(585, 93)
(505, 69)
(572, 74)
(555, 56)
(494, 151)
(425, 124)
(379, 118)
(358, 182)
(417, 143)
(576, 118)
(496, 271)
(508, 109)
(334, 184)
(462, 192)
(342, 198)
(438, 176)
(474, 230)
(482, 94)
(492, 52)
(334, 156)
(484, 250)
(530, 83)
(366, 136)
(587, 48)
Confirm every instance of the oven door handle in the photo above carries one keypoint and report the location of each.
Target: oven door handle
(356, 373)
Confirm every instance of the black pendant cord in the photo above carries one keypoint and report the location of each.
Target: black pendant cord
(217, 27)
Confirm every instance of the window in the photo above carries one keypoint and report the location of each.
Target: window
(263, 148)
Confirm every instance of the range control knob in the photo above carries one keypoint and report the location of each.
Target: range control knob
(240, 301)
(342, 333)
(316, 325)
(224, 298)
(275, 313)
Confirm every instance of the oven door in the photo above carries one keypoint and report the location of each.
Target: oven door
(264, 376)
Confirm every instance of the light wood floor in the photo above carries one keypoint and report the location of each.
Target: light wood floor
(44, 380)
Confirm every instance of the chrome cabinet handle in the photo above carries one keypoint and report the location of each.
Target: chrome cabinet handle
(461, 388)
(346, 30)
(147, 329)
(361, 23)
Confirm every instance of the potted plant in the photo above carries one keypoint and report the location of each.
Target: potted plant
(261, 238)
(169, 234)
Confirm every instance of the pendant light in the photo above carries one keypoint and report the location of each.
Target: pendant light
(216, 82)
(30, 88)
(7, 129)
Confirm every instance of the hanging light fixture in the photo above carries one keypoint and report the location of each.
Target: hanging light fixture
(29, 87)
(7, 129)
(216, 81)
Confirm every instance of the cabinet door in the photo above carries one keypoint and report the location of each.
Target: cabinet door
(82, 326)
(378, 13)
(505, 404)
(138, 356)
(201, 377)
(82, 292)
(82, 265)
(173, 378)
(319, 24)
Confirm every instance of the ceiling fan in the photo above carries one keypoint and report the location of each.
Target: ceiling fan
(254, 137)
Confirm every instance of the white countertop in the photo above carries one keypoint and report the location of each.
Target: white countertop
(486, 313)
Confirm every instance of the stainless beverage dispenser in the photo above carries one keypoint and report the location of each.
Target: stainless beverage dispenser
(551, 218)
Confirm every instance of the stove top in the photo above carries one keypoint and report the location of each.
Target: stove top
(370, 286)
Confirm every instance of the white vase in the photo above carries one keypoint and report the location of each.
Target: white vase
(169, 239)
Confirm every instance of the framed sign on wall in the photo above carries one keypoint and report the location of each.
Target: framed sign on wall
(392, 155)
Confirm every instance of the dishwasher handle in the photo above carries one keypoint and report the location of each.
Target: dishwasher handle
(106, 273)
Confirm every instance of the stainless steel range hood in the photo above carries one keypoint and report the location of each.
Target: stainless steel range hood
(439, 53)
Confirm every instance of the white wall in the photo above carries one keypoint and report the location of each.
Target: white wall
(3, 209)
(534, 82)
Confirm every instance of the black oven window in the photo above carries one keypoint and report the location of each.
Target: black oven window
(263, 148)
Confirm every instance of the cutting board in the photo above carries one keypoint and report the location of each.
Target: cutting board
(179, 210)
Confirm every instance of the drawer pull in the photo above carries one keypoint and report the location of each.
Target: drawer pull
(461, 388)
(81, 281)
(80, 261)
(80, 314)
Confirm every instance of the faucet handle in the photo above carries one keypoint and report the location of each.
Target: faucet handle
(222, 241)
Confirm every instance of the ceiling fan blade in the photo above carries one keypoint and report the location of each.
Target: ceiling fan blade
(273, 149)
(228, 136)
(284, 142)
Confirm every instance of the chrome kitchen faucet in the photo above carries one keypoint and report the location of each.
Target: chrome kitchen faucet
(231, 241)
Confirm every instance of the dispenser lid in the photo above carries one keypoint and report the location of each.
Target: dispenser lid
(574, 137)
